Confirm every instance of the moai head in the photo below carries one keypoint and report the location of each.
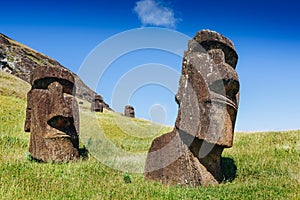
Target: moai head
(129, 111)
(209, 89)
(97, 104)
(52, 115)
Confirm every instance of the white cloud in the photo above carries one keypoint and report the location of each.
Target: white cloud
(152, 12)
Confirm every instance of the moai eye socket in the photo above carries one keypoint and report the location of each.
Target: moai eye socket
(43, 83)
(226, 87)
(43, 76)
(60, 122)
(232, 87)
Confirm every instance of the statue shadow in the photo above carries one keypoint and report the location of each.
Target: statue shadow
(84, 153)
(229, 169)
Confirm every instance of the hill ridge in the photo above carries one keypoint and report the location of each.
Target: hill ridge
(20, 60)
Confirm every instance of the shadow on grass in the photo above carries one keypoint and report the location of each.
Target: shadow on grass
(84, 153)
(31, 159)
(229, 169)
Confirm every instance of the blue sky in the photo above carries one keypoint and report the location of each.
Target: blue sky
(266, 35)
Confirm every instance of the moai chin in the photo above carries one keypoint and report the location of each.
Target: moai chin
(129, 111)
(52, 115)
(207, 97)
(97, 104)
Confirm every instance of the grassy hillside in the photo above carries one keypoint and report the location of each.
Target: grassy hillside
(267, 163)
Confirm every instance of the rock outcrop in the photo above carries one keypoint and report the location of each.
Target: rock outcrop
(20, 60)
(52, 115)
(208, 101)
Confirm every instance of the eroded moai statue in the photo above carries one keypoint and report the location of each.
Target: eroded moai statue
(97, 104)
(129, 111)
(52, 115)
(208, 101)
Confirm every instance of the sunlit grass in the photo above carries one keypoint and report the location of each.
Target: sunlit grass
(267, 163)
(13, 86)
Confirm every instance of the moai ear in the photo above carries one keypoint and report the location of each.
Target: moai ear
(28, 112)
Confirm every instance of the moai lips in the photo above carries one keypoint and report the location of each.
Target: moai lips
(208, 101)
(52, 116)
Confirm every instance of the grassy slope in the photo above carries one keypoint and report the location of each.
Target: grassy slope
(267, 163)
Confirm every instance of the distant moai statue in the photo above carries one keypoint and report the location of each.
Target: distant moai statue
(97, 104)
(207, 97)
(129, 111)
(52, 115)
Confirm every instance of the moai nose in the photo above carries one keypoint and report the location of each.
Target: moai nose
(56, 99)
(217, 55)
(62, 110)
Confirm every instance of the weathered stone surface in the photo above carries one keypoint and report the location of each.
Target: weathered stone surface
(97, 104)
(129, 111)
(208, 100)
(4, 40)
(212, 40)
(172, 160)
(52, 116)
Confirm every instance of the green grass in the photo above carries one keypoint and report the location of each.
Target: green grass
(267, 163)
(12, 86)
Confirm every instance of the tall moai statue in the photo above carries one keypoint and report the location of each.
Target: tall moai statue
(52, 115)
(207, 97)
(97, 104)
(129, 111)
